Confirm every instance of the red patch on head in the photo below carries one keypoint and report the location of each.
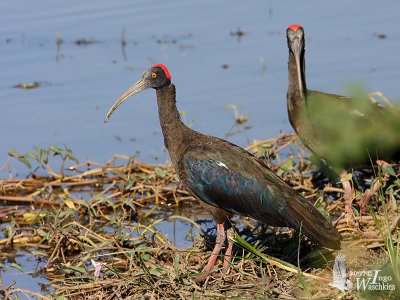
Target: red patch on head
(164, 68)
(295, 27)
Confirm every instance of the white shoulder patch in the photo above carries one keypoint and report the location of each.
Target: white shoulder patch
(221, 164)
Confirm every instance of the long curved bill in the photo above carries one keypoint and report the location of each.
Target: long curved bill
(297, 53)
(139, 86)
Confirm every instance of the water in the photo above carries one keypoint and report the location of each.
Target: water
(26, 278)
(80, 82)
(77, 90)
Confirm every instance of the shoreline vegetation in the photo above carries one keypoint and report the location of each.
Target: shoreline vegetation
(96, 230)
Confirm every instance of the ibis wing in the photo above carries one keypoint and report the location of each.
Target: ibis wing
(236, 181)
(226, 176)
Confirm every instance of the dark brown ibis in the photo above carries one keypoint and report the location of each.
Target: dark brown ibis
(225, 178)
(357, 130)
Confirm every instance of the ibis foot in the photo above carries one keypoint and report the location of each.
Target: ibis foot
(230, 233)
(221, 237)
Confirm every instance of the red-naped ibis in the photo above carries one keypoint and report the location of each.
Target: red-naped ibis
(357, 136)
(225, 178)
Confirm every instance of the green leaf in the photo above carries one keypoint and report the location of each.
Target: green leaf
(391, 171)
(13, 153)
(176, 264)
(111, 203)
(21, 158)
(56, 150)
(146, 257)
(129, 203)
(70, 157)
(18, 267)
(287, 165)
(61, 298)
(262, 154)
(42, 156)
(87, 240)
(324, 212)
(66, 213)
(129, 183)
(30, 217)
(9, 231)
(32, 155)
(155, 271)
(159, 172)
(25, 162)
(42, 233)
(78, 269)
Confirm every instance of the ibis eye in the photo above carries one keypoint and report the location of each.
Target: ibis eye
(153, 75)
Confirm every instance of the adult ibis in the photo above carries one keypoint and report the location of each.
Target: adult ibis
(225, 178)
(344, 131)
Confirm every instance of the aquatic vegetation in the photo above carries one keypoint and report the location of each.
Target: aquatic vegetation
(97, 228)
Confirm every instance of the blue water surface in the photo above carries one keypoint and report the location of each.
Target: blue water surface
(193, 38)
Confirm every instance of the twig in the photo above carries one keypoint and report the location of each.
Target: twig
(39, 296)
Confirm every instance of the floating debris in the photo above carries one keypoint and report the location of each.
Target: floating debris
(27, 86)
(238, 34)
(85, 42)
(380, 36)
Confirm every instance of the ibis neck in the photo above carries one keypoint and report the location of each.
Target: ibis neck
(297, 89)
(173, 129)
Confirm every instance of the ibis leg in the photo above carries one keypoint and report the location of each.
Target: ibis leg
(375, 187)
(230, 233)
(348, 196)
(217, 249)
